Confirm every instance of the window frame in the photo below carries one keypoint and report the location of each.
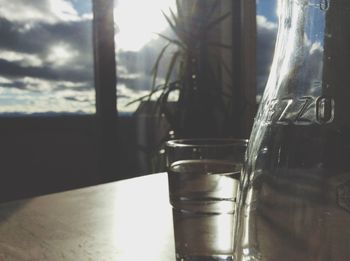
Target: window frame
(102, 136)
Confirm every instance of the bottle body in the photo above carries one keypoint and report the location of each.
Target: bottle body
(295, 188)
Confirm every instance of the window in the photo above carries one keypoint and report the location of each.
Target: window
(46, 62)
(143, 32)
(138, 24)
(48, 67)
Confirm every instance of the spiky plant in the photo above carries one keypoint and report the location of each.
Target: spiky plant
(194, 70)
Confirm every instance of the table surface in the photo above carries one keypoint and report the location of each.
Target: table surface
(127, 220)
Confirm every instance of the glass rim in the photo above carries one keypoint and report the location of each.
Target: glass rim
(211, 142)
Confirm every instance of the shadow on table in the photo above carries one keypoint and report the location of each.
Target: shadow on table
(10, 208)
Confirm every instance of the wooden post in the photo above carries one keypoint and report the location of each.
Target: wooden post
(105, 84)
(244, 65)
(249, 40)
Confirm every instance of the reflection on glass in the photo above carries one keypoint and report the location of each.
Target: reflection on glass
(46, 63)
(266, 38)
(207, 236)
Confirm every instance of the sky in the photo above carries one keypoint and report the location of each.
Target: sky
(267, 8)
(266, 38)
(46, 62)
(45, 57)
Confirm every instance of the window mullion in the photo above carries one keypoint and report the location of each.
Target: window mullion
(105, 85)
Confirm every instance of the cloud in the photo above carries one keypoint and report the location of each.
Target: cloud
(23, 101)
(309, 71)
(21, 58)
(61, 55)
(42, 11)
(48, 44)
(61, 51)
(316, 47)
(41, 37)
(263, 22)
(35, 84)
(14, 70)
(45, 51)
(313, 69)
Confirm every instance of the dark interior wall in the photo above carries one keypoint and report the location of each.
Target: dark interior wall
(40, 155)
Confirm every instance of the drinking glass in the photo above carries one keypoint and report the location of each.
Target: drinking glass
(203, 176)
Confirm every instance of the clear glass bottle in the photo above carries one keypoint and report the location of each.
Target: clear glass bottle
(295, 188)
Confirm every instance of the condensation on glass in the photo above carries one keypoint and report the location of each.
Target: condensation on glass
(46, 57)
(295, 188)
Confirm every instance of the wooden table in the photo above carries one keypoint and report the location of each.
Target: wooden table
(128, 220)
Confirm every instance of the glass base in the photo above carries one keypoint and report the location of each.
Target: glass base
(204, 258)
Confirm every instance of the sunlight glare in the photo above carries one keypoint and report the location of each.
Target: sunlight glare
(138, 21)
(61, 54)
(64, 10)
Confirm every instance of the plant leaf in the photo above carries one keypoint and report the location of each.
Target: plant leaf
(147, 96)
(181, 25)
(178, 28)
(163, 98)
(173, 41)
(172, 25)
(176, 19)
(164, 105)
(179, 9)
(171, 66)
(155, 67)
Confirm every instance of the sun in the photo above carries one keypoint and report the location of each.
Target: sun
(61, 55)
(138, 21)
